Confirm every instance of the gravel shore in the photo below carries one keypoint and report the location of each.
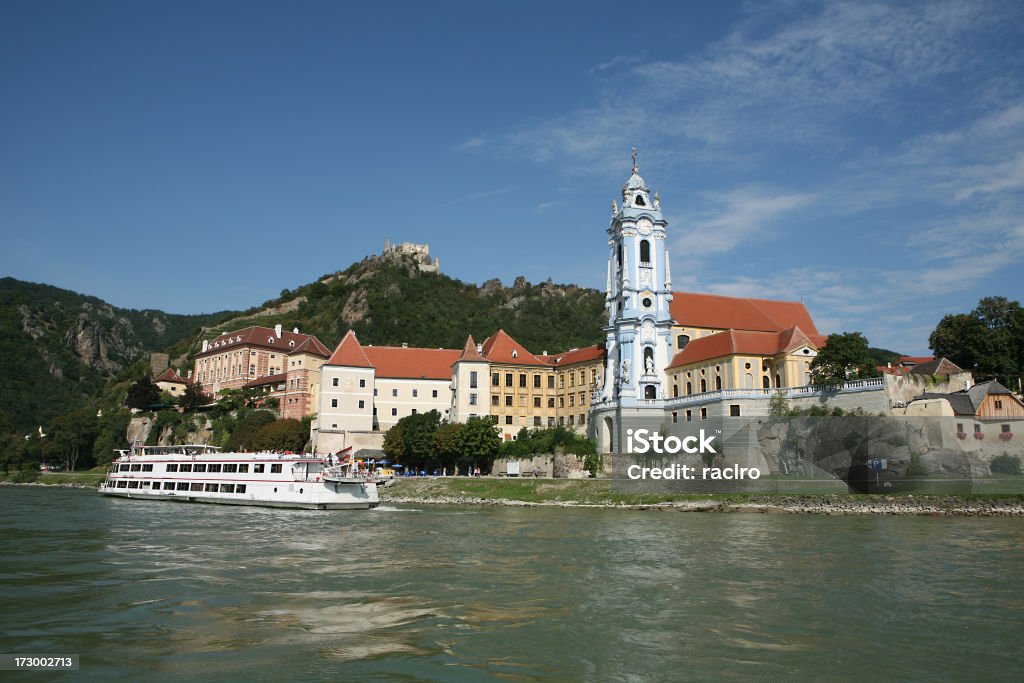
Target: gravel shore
(932, 506)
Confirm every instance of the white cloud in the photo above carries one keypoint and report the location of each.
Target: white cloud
(738, 214)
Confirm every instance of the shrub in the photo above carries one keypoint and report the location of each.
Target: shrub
(1006, 464)
(916, 468)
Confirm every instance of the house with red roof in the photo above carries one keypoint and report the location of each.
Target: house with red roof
(171, 382)
(285, 365)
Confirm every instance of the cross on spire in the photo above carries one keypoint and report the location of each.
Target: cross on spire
(635, 168)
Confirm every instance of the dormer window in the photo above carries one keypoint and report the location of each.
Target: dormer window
(270, 340)
(515, 354)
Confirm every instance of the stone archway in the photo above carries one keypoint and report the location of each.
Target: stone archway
(607, 435)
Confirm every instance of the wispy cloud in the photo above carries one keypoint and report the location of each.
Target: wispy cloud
(544, 206)
(736, 216)
(614, 63)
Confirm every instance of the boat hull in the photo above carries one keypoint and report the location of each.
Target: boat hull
(198, 498)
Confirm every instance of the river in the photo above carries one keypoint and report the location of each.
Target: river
(159, 591)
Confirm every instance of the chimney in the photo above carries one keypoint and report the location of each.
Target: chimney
(544, 352)
(189, 375)
(277, 331)
(206, 345)
(480, 348)
(295, 330)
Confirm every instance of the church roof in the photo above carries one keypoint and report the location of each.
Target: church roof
(587, 353)
(714, 311)
(732, 342)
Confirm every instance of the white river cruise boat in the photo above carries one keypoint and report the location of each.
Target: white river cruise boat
(204, 474)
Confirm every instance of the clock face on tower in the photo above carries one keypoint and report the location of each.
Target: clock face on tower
(644, 226)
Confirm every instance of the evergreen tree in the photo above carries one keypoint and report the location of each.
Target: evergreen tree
(193, 397)
(142, 394)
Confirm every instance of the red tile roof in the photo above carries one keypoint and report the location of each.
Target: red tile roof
(731, 342)
(349, 353)
(312, 346)
(469, 352)
(397, 362)
(269, 379)
(501, 348)
(263, 337)
(713, 311)
(915, 360)
(170, 375)
(587, 353)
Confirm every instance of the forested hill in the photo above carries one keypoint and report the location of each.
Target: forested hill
(388, 300)
(58, 347)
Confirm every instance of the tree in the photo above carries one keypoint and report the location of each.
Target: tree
(962, 339)
(844, 357)
(193, 397)
(479, 441)
(987, 341)
(243, 436)
(280, 435)
(142, 394)
(447, 443)
(412, 443)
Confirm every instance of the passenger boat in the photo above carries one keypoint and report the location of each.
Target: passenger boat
(204, 474)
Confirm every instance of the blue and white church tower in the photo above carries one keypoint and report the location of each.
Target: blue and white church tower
(638, 292)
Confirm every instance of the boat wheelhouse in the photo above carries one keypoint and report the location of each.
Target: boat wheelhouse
(205, 474)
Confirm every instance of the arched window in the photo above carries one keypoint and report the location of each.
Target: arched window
(675, 391)
(645, 251)
(778, 380)
(619, 256)
(650, 392)
(749, 381)
(718, 383)
(766, 383)
(648, 359)
(703, 385)
(681, 341)
(689, 388)
(640, 200)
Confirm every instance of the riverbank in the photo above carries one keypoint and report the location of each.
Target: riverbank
(598, 493)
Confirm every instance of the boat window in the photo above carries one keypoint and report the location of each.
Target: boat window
(275, 469)
(227, 488)
(243, 468)
(172, 467)
(147, 468)
(231, 467)
(122, 484)
(213, 468)
(133, 484)
(199, 467)
(125, 468)
(257, 468)
(211, 487)
(185, 467)
(156, 485)
(183, 486)
(197, 487)
(145, 484)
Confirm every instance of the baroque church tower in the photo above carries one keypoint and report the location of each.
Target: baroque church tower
(638, 292)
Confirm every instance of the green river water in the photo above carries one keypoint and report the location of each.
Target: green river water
(167, 591)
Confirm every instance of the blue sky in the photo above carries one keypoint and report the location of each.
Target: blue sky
(195, 156)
